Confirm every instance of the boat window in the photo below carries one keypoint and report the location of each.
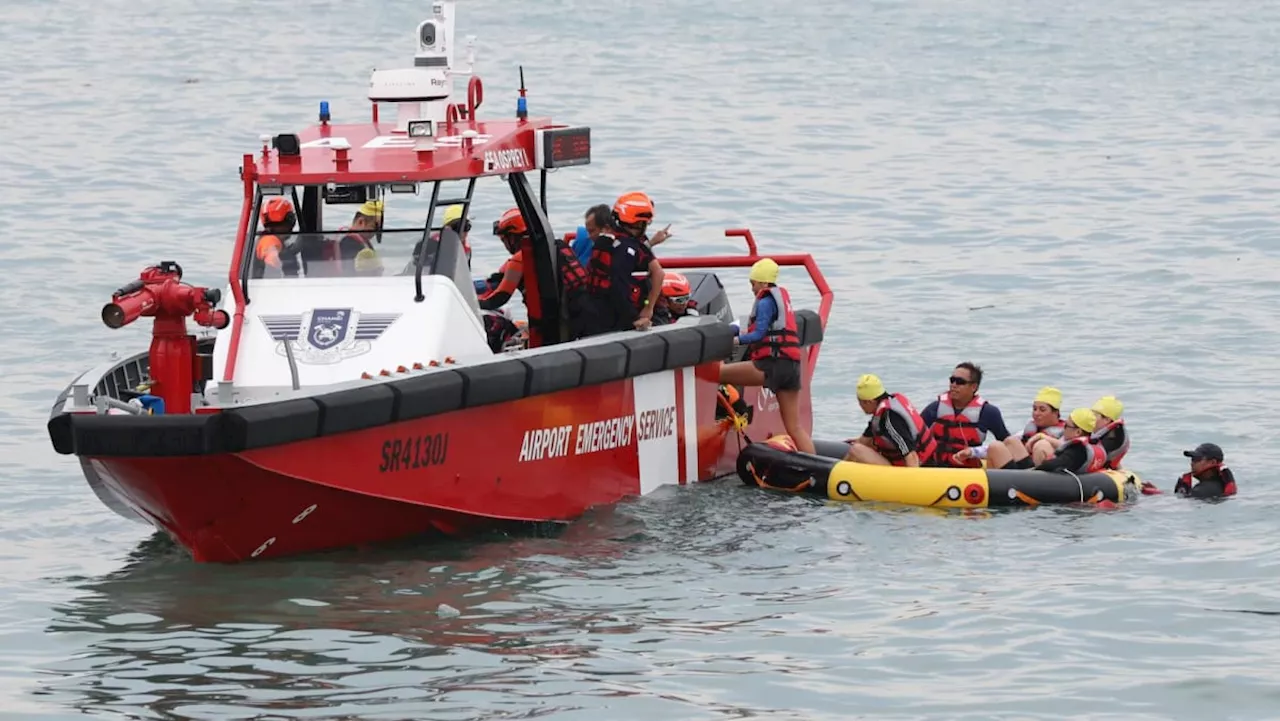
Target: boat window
(338, 233)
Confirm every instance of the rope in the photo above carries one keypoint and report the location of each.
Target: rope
(1078, 483)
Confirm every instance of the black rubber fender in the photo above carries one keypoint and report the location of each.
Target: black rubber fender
(428, 394)
(182, 434)
(504, 380)
(270, 424)
(684, 348)
(645, 354)
(551, 372)
(355, 409)
(717, 341)
(603, 363)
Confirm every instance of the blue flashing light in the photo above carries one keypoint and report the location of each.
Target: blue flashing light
(522, 107)
(324, 111)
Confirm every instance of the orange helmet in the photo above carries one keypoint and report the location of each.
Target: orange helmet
(277, 210)
(633, 208)
(511, 223)
(675, 285)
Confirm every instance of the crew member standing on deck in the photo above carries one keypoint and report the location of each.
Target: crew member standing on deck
(619, 300)
(269, 258)
(773, 350)
(961, 418)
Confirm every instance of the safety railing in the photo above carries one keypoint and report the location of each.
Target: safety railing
(753, 255)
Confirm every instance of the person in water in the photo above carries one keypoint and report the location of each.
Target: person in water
(1077, 453)
(961, 418)
(1208, 477)
(773, 350)
(896, 435)
(1111, 433)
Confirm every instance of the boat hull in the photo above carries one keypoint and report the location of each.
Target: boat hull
(448, 451)
(775, 467)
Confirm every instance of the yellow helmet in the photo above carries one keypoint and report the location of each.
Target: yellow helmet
(1051, 396)
(869, 387)
(372, 209)
(764, 271)
(367, 260)
(1109, 406)
(1085, 419)
(452, 213)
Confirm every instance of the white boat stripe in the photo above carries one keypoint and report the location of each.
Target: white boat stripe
(690, 404)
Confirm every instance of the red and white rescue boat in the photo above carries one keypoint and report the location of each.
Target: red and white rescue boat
(341, 404)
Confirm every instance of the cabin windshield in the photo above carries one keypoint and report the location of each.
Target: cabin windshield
(365, 231)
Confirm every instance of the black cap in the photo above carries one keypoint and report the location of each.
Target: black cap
(1205, 450)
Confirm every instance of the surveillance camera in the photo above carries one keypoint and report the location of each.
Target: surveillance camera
(427, 30)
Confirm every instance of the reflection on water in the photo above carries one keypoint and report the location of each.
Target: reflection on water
(392, 625)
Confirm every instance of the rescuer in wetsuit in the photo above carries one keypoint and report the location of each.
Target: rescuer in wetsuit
(271, 250)
(1208, 478)
(619, 300)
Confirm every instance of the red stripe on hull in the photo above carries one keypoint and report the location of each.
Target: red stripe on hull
(546, 458)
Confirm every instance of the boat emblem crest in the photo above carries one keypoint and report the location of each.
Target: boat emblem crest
(324, 336)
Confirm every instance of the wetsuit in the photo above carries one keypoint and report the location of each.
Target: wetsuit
(1221, 482)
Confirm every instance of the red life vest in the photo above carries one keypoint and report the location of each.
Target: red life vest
(333, 248)
(957, 431)
(610, 267)
(1096, 458)
(1186, 481)
(782, 339)
(925, 444)
(1115, 457)
(1054, 431)
(572, 275)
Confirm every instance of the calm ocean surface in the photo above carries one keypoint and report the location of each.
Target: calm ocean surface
(1081, 194)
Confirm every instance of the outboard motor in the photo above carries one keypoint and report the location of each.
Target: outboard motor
(707, 293)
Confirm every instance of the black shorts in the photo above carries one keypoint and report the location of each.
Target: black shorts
(780, 374)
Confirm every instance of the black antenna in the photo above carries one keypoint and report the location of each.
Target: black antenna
(522, 105)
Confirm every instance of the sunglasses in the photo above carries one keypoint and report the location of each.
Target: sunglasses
(1072, 426)
(677, 299)
(958, 381)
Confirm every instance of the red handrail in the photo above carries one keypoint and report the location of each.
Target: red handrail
(744, 261)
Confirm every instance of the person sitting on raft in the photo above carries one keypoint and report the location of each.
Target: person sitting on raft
(1046, 420)
(1076, 454)
(1111, 433)
(1208, 478)
(968, 426)
(773, 350)
(896, 435)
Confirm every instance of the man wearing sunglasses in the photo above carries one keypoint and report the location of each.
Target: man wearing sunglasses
(960, 418)
(674, 303)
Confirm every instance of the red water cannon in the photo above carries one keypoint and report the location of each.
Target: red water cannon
(160, 293)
